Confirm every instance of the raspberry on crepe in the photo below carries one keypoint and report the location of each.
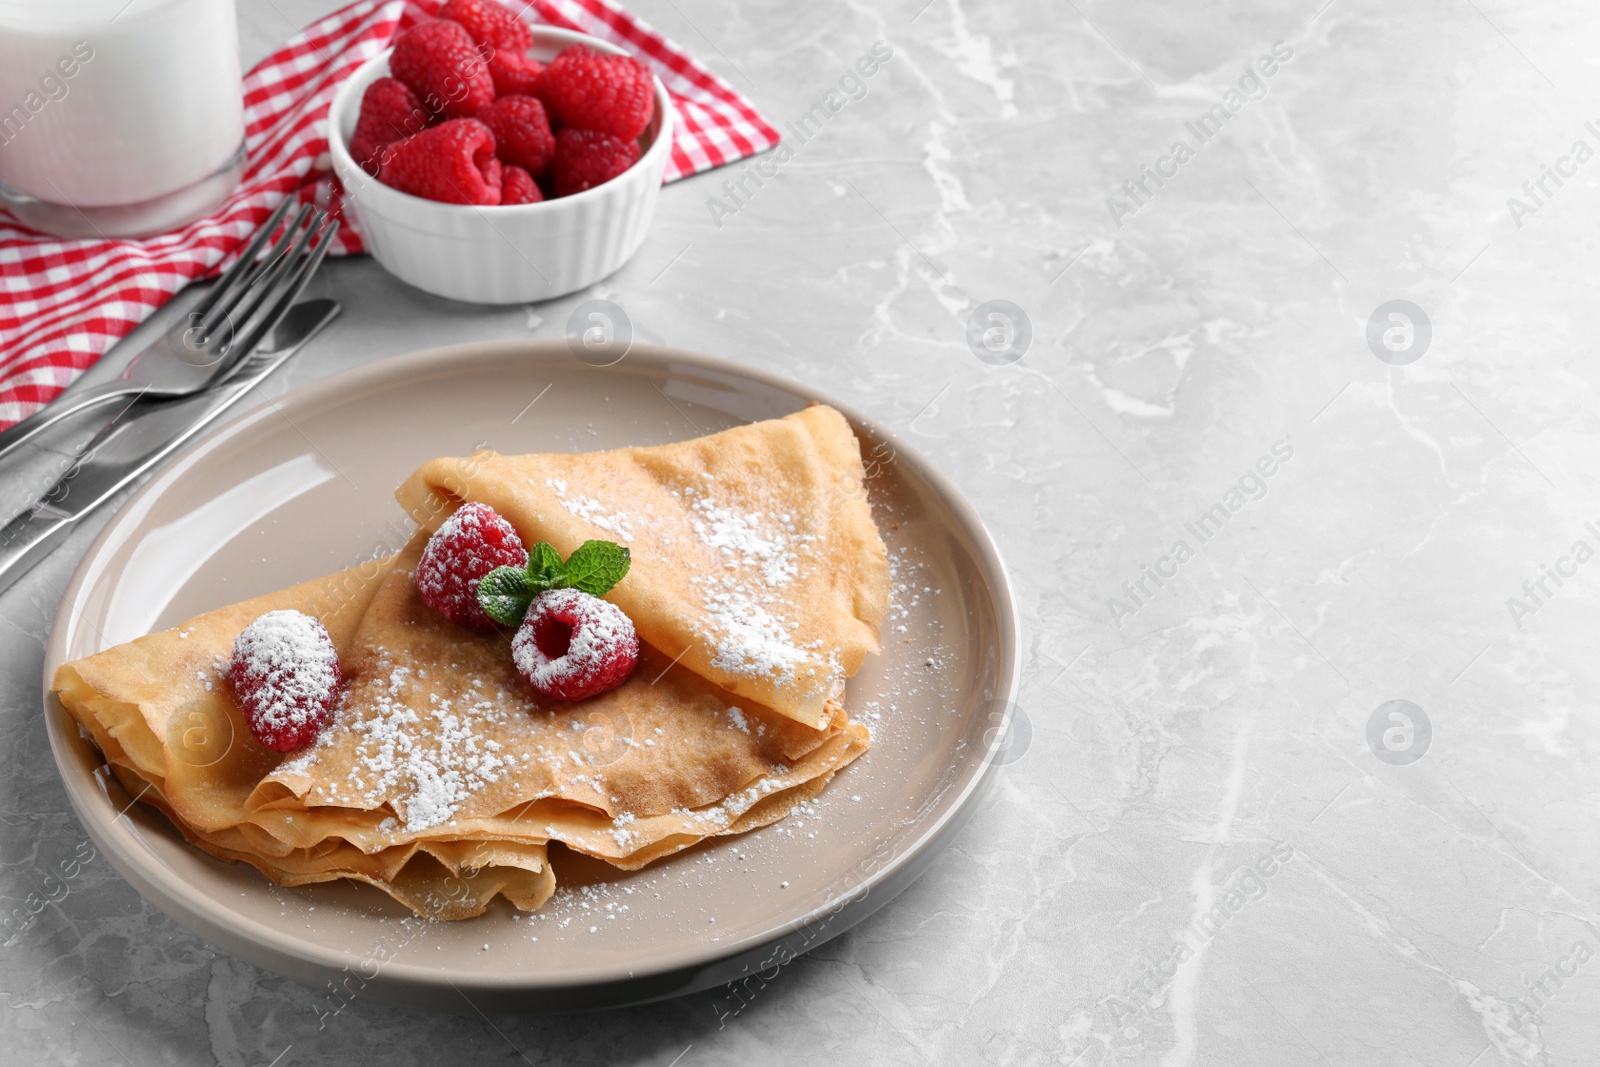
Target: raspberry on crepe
(753, 551)
(572, 645)
(471, 543)
(285, 675)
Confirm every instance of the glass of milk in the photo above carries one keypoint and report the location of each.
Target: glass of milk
(118, 118)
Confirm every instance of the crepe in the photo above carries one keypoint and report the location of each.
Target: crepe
(161, 713)
(436, 728)
(443, 777)
(755, 558)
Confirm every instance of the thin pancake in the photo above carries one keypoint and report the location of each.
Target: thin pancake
(755, 557)
(437, 726)
(648, 769)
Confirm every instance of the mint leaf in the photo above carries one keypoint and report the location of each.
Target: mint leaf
(595, 567)
(544, 566)
(505, 593)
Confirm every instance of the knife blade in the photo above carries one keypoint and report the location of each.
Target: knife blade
(126, 450)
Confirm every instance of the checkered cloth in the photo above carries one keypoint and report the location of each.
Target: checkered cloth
(67, 302)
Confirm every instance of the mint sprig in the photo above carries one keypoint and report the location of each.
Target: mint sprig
(594, 568)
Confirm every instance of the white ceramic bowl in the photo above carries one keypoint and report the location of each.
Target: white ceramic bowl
(502, 255)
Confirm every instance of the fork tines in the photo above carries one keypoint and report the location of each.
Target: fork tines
(289, 275)
(253, 293)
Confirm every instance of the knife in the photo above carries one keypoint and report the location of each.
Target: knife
(126, 450)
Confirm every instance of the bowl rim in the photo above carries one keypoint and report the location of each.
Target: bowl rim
(344, 163)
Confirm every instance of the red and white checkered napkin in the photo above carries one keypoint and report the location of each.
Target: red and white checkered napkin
(66, 302)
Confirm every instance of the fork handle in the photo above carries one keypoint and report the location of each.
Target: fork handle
(45, 418)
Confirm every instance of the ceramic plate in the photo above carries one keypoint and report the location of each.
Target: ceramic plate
(303, 487)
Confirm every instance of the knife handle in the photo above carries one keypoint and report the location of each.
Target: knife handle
(42, 420)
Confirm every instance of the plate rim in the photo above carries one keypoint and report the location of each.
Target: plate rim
(199, 913)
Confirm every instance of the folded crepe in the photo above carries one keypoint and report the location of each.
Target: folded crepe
(443, 776)
(756, 562)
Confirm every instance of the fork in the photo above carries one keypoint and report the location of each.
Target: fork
(205, 348)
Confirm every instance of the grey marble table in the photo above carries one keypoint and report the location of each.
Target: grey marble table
(1244, 506)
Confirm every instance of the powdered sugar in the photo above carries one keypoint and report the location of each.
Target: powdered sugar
(760, 553)
(592, 511)
(739, 536)
(587, 903)
(749, 639)
(426, 770)
(745, 626)
(620, 833)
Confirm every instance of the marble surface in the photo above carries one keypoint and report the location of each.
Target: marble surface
(1202, 854)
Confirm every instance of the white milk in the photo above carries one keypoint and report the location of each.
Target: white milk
(105, 103)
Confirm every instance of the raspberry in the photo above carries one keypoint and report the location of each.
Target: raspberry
(488, 23)
(518, 187)
(453, 162)
(514, 74)
(438, 60)
(572, 645)
(494, 177)
(390, 112)
(612, 94)
(586, 158)
(471, 543)
(521, 132)
(285, 675)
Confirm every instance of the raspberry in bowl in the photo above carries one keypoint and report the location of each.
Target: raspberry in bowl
(546, 237)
